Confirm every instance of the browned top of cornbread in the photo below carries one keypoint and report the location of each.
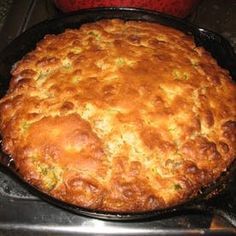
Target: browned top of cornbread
(120, 116)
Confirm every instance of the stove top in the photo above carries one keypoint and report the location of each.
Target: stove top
(24, 214)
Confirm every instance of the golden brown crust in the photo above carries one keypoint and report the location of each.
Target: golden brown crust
(120, 116)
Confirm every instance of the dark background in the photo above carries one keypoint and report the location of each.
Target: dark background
(217, 15)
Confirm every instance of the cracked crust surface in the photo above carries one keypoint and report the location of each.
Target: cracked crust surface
(119, 116)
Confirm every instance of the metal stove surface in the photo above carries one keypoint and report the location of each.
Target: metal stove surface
(24, 214)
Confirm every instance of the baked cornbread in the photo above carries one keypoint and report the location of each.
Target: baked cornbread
(119, 116)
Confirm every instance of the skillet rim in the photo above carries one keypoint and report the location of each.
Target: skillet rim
(156, 17)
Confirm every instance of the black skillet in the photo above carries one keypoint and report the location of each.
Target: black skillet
(217, 198)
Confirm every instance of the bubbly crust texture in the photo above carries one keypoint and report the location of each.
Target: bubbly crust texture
(120, 116)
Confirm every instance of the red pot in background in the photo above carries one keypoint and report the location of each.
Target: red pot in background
(179, 8)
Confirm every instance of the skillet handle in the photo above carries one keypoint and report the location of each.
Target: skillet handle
(227, 214)
(223, 205)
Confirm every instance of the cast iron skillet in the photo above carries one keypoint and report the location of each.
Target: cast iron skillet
(223, 203)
